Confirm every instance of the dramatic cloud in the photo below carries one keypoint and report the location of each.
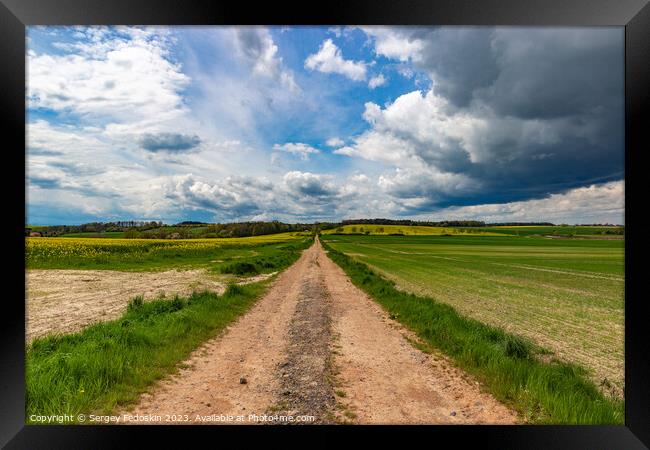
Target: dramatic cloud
(526, 72)
(506, 158)
(298, 148)
(520, 113)
(424, 188)
(170, 142)
(329, 59)
(180, 123)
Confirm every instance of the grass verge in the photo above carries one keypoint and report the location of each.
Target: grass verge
(108, 365)
(550, 393)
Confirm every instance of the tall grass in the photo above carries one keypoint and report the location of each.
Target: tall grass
(510, 368)
(108, 365)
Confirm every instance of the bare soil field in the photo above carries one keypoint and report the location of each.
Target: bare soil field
(65, 301)
(316, 345)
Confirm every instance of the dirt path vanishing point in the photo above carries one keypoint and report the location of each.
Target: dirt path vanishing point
(316, 345)
(65, 301)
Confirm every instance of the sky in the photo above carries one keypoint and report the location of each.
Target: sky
(303, 124)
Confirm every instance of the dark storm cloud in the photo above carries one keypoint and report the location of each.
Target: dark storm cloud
(169, 142)
(462, 60)
(526, 72)
(545, 74)
(543, 110)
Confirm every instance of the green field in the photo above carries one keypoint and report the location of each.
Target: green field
(565, 295)
(559, 230)
(386, 230)
(520, 373)
(156, 254)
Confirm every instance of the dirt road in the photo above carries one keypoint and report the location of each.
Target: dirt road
(316, 348)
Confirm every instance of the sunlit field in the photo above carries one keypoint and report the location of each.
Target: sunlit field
(146, 254)
(565, 295)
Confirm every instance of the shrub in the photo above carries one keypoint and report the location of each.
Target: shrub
(240, 268)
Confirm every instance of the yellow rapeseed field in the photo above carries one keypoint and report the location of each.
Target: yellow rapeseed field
(39, 249)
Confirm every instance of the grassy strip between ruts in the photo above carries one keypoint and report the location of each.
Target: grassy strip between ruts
(109, 364)
(508, 366)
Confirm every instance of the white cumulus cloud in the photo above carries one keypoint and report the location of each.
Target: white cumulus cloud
(329, 59)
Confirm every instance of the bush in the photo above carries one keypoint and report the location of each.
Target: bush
(240, 268)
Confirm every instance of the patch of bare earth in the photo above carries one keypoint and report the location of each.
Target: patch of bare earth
(315, 345)
(65, 301)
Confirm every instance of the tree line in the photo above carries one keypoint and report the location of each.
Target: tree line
(193, 229)
(99, 227)
(415, 223)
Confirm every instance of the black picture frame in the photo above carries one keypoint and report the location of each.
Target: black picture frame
(634, 15)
